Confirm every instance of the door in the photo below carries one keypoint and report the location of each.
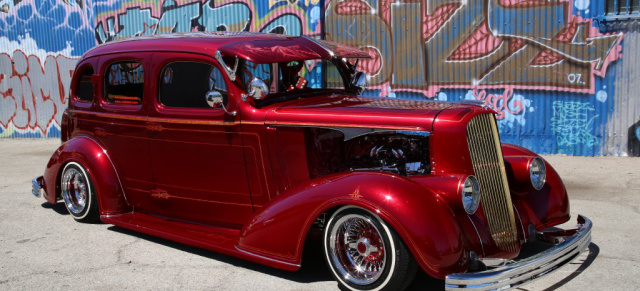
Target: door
(196, 151)
(119, 120)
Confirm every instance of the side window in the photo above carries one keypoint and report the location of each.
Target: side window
(84, 88)
(185, 84)
(124, 83)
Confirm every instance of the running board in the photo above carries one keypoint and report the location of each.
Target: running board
(220, 240)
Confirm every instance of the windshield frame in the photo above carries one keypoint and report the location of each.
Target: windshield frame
(278, 97)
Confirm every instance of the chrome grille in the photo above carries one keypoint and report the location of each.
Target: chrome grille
(488, 166)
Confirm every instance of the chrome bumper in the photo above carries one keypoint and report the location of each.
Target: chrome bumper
(529, 269)
(36, 186)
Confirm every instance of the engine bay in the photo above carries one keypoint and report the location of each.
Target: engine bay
(335, 150)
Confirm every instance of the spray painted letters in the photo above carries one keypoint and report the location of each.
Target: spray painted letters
(33, 97)
(439, 44)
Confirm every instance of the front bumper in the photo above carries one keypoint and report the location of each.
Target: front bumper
(571, 244)
(36, 186)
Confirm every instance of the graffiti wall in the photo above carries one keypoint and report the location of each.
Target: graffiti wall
(545, 76)
(40, 42)
(551, 72)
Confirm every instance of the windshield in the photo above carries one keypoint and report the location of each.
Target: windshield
(290, 79)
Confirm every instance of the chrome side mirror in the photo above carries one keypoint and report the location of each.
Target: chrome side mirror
(258, 90)
(359, 81)
(216, 100)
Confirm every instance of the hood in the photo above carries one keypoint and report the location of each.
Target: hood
(362, 112)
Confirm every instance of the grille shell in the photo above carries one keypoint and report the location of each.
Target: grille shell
(488, 167)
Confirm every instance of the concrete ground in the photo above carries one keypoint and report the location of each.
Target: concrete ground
(43, 247)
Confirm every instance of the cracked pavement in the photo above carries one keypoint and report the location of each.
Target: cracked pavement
(43, 247)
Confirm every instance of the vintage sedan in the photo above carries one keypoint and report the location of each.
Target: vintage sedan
(246, 143)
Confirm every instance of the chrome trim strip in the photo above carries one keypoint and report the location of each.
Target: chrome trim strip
(478, 234)
(265, 258)
(231, 73)
(36, 186)
(529, 269)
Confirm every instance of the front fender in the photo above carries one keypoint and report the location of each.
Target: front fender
(424, 222)
(90, 154)
(542, 208)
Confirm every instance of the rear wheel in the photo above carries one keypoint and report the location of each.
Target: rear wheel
(78, 194)
(363, 253)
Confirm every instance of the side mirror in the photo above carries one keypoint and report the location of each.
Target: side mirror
(359, 81)
(216, 100)
(258, 90)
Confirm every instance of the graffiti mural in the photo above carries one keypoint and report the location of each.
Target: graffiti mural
(475, 43)
(573, 122)
(511, 108)
(40, 42)
(117, 19)
(33, 94)
(544, 66)
(522, 58)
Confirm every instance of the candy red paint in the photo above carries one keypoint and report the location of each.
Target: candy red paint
(241, 185)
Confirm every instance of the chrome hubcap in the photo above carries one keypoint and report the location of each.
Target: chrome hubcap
(74, 190)
(357, 249)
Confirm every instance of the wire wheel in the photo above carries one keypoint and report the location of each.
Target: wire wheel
(77, 193)
(363, 253)
(357, 249)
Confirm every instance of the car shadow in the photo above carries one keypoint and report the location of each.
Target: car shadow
(422, 281)
(313, 269)
(58, 208)
(425, 282)
(594, 251)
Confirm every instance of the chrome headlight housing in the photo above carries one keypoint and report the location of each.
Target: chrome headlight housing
(470, 194)
(537, 172)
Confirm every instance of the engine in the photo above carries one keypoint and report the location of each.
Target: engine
(346, 149)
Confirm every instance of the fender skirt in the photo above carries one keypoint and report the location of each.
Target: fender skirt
(424, 222)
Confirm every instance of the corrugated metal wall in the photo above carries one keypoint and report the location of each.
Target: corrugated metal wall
(559, 82)
(623, 124)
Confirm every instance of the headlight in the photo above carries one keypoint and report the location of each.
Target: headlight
(471, 194)
(538, 173)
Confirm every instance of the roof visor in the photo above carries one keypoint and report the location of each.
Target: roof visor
(287, 49)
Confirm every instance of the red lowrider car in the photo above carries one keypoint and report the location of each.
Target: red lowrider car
(244, 143)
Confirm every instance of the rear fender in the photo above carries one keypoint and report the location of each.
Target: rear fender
(425, 223)
(90, 154)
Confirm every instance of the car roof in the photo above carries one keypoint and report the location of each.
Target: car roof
(253, 46)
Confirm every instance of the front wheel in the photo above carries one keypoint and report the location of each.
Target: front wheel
(78, 194)
(363, 253)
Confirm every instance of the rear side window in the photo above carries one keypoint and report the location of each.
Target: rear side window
(124, 83)
(84, 89)
(185, 84)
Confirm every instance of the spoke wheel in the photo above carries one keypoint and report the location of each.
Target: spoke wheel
(357, 249)
(365, 254)
(77, 193)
